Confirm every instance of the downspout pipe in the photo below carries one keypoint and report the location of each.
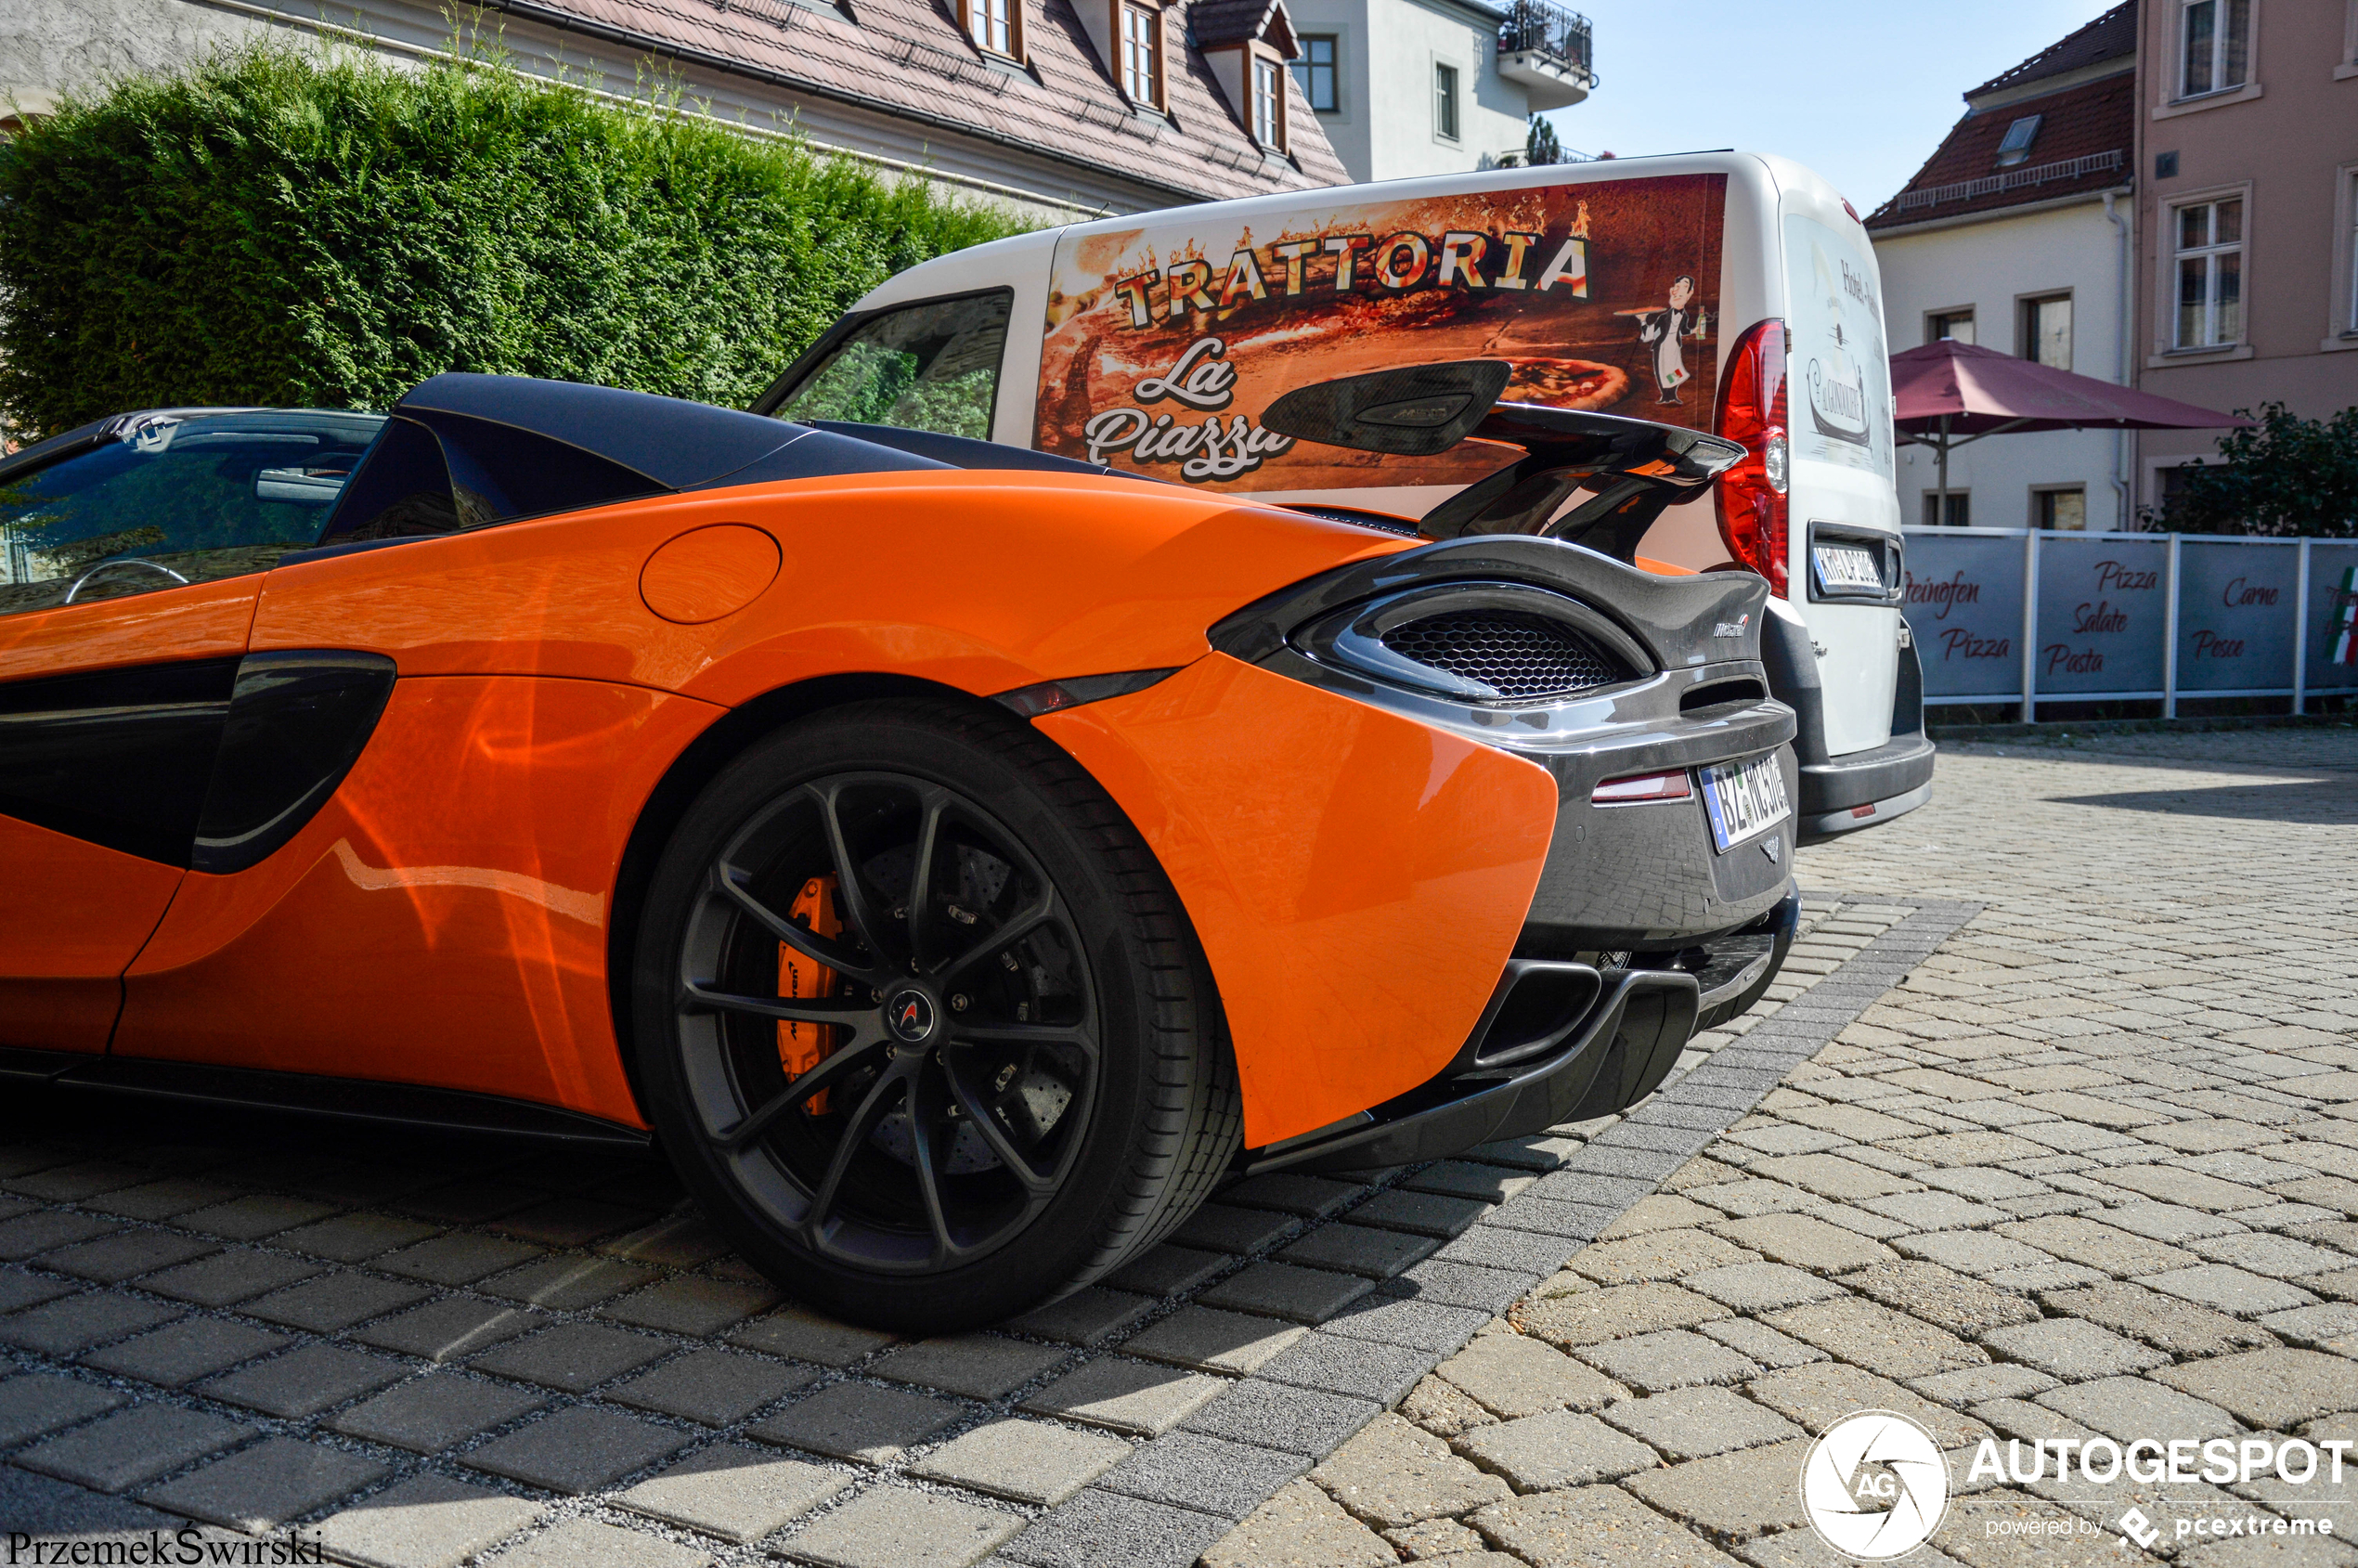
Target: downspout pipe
(2122, 327)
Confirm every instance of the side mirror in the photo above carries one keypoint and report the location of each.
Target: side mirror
(1415, 411)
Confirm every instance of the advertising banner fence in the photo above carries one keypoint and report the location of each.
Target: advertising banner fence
(2026, 615)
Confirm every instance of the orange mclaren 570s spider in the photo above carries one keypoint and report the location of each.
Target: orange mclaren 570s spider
(960, 860)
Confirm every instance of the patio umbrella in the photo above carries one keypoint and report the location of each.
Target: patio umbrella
(1949, 394)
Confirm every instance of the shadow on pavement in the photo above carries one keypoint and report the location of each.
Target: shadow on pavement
(2301, 800)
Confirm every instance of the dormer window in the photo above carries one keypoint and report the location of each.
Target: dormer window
(1248, 45)
(1268, 105)
(1142, 54)
(2017, 145)
(996, 26)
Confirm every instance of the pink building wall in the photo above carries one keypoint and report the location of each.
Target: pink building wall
(2286, 144)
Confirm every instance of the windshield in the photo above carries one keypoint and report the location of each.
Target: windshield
(190, 498)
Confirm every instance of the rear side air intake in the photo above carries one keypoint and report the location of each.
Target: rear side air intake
(1516, 656)
(1478, 642)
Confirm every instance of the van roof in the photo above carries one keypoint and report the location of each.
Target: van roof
(1000, 260)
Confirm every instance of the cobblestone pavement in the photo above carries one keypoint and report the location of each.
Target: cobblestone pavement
(2076, 1171)
(2091, 1170)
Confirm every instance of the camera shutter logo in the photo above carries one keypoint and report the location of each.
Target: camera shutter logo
(1875, 1485)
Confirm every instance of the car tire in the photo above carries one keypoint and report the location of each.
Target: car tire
(972, 1128)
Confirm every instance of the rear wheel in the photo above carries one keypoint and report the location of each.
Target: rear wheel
(920, 1019)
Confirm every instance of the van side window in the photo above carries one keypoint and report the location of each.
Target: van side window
(920, 366)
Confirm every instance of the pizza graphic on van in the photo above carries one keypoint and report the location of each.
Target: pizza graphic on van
(1163, 344)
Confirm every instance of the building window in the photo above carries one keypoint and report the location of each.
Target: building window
(1315, 72)
(2214, 45)
(1444, 102)
(2046, 332)
(2063, 509)
(995, 25)
(1955, 324)
(1268, 105)
(2210, 273)
(2018, 137)
(1142, 55)
(2174, 489)
(2350, 259)
(1959, 509)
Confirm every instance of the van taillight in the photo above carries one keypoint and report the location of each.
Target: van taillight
(1751, 496)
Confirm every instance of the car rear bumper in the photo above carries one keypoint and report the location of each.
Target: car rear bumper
(1636, 925)
(1524, 1069)
(1627, 1040)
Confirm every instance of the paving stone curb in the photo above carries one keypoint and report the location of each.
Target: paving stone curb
(615, 1379)
(1354, 1369)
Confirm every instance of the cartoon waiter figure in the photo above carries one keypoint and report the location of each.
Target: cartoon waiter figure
(1664, 329)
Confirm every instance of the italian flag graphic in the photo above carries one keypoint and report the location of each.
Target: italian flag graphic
(2345, 619)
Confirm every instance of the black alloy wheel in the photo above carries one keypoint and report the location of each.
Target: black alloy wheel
(904, 1018)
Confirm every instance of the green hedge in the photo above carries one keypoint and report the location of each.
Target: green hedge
(324, 229)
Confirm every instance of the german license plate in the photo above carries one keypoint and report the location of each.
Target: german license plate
(1743, 800)
(1848, 569)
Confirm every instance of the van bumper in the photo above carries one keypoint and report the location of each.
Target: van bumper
(1859, 789)
(1865, 788)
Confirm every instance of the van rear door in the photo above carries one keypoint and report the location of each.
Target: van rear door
(1843, 573)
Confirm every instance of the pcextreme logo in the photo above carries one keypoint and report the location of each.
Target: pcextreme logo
(1875, 1485)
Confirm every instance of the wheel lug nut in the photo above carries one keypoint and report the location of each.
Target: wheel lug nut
(958, 1004)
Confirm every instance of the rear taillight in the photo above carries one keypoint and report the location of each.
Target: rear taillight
(1641, 789)
(1751, 496)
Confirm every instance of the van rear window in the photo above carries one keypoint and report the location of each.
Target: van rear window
(1841, 382)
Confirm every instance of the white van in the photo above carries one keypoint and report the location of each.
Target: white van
(1727, 292)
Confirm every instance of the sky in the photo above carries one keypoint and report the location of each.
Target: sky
(1860, 90)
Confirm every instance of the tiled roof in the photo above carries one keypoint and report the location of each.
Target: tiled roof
(907, 58)
(2108, 37)
(2084, 144)
(1225, 21)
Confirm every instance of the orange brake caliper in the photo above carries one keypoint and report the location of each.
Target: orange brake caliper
(802, 1046)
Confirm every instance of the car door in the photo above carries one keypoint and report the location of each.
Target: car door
(131, 555)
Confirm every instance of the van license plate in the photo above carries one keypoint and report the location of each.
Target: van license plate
(1848, 568)
(1743, 800)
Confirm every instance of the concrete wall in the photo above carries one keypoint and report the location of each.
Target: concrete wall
(1388, 48)
(2288, 143)
(1990, 264)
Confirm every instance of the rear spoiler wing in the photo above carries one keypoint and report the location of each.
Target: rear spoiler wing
(1632, 469)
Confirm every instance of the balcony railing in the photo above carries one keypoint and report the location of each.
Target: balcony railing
(1538, 27)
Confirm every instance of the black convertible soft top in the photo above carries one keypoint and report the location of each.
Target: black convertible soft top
(465, 451)
(681, 445)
